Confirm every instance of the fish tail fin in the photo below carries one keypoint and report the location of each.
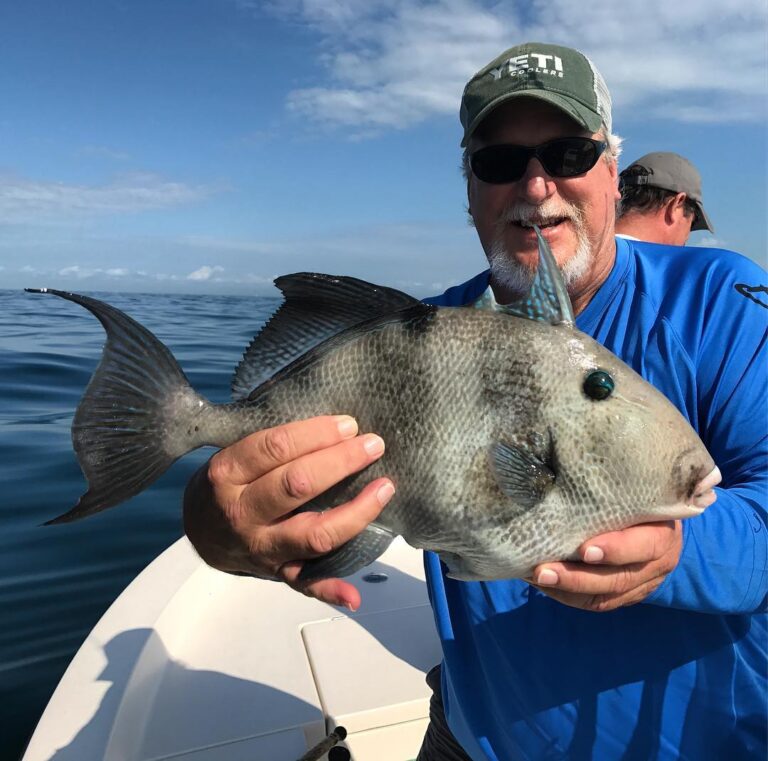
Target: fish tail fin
(136, 416)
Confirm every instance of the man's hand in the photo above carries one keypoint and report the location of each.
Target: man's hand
(237, 507)
(619, 568)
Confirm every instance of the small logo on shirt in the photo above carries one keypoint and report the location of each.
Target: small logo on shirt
(756, 293)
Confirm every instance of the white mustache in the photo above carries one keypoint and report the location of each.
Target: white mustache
(515, 276)
(545, 213)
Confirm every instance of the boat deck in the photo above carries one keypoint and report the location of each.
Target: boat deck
(195, 665)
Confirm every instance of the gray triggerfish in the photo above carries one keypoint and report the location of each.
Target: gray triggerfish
(511, 436)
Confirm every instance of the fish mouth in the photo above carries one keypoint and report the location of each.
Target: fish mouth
(694, 502)
(703, 494)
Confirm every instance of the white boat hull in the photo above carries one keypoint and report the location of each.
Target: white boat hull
(192, 664)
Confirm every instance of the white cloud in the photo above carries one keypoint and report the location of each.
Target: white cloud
(380, 253)
(23, 199)
(75, 270)
(377, 253)
(708, 241)
(81, 273)
(392, 64)
(204, 273)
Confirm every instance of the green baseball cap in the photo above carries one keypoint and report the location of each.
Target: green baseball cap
(561, 76)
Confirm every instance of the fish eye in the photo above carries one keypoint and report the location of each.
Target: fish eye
(598, 385)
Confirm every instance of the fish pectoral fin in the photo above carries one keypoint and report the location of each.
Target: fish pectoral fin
(521, 476)
(351, 556)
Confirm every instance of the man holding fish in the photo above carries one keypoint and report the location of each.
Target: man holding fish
(650, 642)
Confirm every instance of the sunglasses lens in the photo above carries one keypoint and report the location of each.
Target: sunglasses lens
(564, 157)
(569, 156)
(498, 164)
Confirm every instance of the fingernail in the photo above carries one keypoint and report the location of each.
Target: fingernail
(547, 578)
(384, 494)
(373, 444)
(593, 555)
(351, 607)
(347, 426)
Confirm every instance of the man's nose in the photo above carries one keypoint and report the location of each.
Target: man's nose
(535, 185)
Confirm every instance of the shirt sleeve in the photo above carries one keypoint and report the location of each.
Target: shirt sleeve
(723, 567)
(460, 295)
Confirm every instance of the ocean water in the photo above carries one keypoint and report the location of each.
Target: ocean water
(56, 581)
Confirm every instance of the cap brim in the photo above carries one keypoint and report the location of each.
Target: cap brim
(582, 115)
(702, 220)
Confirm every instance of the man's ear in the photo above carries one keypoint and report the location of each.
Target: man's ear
(613, 168)
(470, 219)
(674, 208)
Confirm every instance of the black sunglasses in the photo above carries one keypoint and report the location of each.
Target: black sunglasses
(563, 157)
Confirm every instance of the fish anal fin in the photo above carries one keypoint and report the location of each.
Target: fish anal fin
(355, 554)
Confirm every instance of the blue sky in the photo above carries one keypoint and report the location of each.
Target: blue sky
(211, 145)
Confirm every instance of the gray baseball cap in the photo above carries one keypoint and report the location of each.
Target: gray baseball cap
(561, 76)
(670, 171)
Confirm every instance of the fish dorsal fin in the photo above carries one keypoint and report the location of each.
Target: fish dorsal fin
(316, 307)
(548, 299)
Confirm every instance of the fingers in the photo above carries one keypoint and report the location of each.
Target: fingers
(310, 534)
(237, 510)
(637, 544)
(351, 518)
(588, 580)
(332, 591)
(634, 563)
(602, 603)
(263, 451)
(287, 487)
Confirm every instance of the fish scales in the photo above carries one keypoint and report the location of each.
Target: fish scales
(511, 436)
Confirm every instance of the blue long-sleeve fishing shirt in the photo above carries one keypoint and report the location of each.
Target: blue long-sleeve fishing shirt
(681, 675)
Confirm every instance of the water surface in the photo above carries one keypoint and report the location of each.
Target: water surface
(56, 581)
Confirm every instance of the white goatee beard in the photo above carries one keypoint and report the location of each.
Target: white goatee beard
(516, 277)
